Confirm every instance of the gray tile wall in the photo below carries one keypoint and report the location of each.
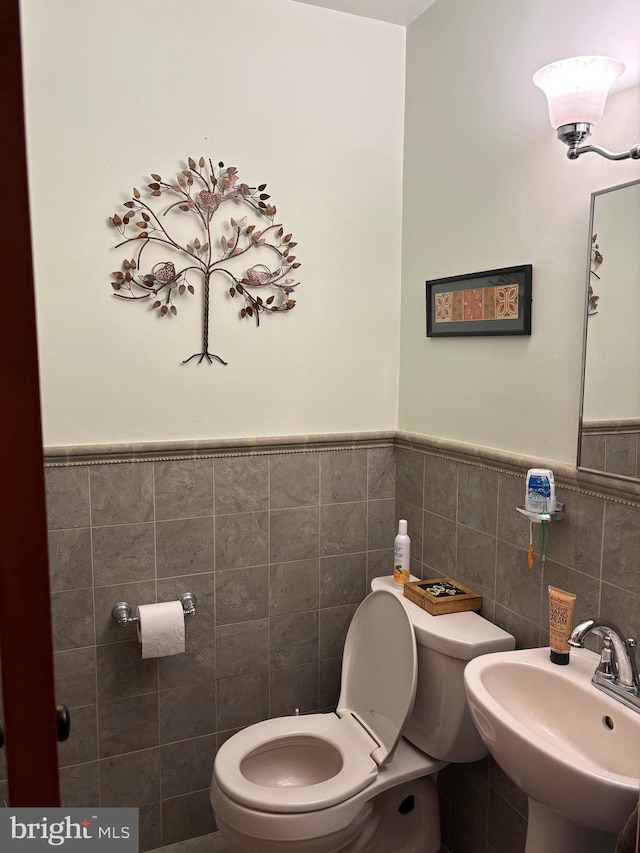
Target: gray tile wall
(616, 452)
(463, 524)
(278, 549)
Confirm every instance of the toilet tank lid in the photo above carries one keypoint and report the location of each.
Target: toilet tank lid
(460, 635)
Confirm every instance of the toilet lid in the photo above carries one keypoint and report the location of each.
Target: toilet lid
(379, 670)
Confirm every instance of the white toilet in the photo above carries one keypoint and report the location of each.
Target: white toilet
(361, 780)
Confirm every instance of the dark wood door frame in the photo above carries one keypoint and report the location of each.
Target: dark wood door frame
(25, 603)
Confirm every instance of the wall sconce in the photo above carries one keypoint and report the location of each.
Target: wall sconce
(577, 90)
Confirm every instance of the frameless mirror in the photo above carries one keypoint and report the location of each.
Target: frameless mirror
(609, 437)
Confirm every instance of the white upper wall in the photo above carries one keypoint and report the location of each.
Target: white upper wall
(307, 100)
(395, 11)
(487, 185)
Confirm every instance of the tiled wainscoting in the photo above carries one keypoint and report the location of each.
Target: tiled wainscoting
(611, 446)
(277, 546)
(463, 524)
(279, 543)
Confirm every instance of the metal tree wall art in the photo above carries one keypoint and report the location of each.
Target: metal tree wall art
(168, 261)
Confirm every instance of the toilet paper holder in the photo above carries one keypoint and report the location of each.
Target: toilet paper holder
(122, 611)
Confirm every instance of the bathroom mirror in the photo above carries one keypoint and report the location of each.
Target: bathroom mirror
(609, 436)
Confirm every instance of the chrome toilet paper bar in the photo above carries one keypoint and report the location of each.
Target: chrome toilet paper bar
(122, 611)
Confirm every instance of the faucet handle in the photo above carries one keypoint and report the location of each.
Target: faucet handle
(607, 668)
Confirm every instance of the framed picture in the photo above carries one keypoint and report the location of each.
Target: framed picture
(495, 302)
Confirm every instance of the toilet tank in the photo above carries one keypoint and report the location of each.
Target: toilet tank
(440, 724)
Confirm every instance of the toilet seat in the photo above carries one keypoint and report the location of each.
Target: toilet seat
(308, 763)
(352, 746)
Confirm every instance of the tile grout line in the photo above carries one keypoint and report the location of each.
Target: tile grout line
(215, 601)
(95, 639)
(269, 637)
(601, 572)
(319, 586)
(155, 576)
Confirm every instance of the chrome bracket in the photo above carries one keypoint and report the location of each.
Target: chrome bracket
(574, 135)
(538, 517)
(122, 612)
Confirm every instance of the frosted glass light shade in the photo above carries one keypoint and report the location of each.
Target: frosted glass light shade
(577, 88)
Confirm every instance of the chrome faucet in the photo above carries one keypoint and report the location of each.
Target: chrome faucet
(616, 673)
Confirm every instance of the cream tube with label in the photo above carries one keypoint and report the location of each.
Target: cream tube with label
(561, 606)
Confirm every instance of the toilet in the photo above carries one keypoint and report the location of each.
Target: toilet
(362, 779)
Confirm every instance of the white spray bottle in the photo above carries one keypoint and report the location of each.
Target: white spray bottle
(401, 556)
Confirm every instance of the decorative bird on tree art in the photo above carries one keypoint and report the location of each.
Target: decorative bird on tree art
(168, 261)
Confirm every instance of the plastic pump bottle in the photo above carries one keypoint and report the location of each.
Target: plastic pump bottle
(401, 556)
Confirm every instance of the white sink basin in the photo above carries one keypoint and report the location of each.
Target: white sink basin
(570, 747)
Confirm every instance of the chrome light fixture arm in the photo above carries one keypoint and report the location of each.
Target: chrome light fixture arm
(575, 134)
(633, 153)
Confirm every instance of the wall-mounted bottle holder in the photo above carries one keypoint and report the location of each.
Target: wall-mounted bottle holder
(538, 517)
(543, 519)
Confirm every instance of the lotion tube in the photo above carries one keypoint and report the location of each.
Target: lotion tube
(561, 604)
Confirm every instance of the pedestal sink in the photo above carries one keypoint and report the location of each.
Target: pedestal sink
(573, 750)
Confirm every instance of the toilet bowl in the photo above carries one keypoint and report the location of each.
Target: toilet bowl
(400, 804)
(349, 780)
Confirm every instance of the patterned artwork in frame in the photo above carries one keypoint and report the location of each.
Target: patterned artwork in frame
(495, 302)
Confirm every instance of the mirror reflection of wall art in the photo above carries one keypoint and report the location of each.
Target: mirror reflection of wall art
(495, 302)
(596, 262)
(168, 261)
(609, 436)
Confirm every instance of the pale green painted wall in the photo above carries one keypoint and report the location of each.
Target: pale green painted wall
(308, 100)
(487, 185)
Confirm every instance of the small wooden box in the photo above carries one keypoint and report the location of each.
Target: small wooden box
(442, 595)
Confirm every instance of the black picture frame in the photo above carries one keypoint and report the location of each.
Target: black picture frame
(457, 305)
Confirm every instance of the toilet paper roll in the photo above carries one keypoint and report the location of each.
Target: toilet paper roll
(161, 629)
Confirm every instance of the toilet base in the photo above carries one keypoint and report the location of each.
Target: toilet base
(337, 842)
(404, 819)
